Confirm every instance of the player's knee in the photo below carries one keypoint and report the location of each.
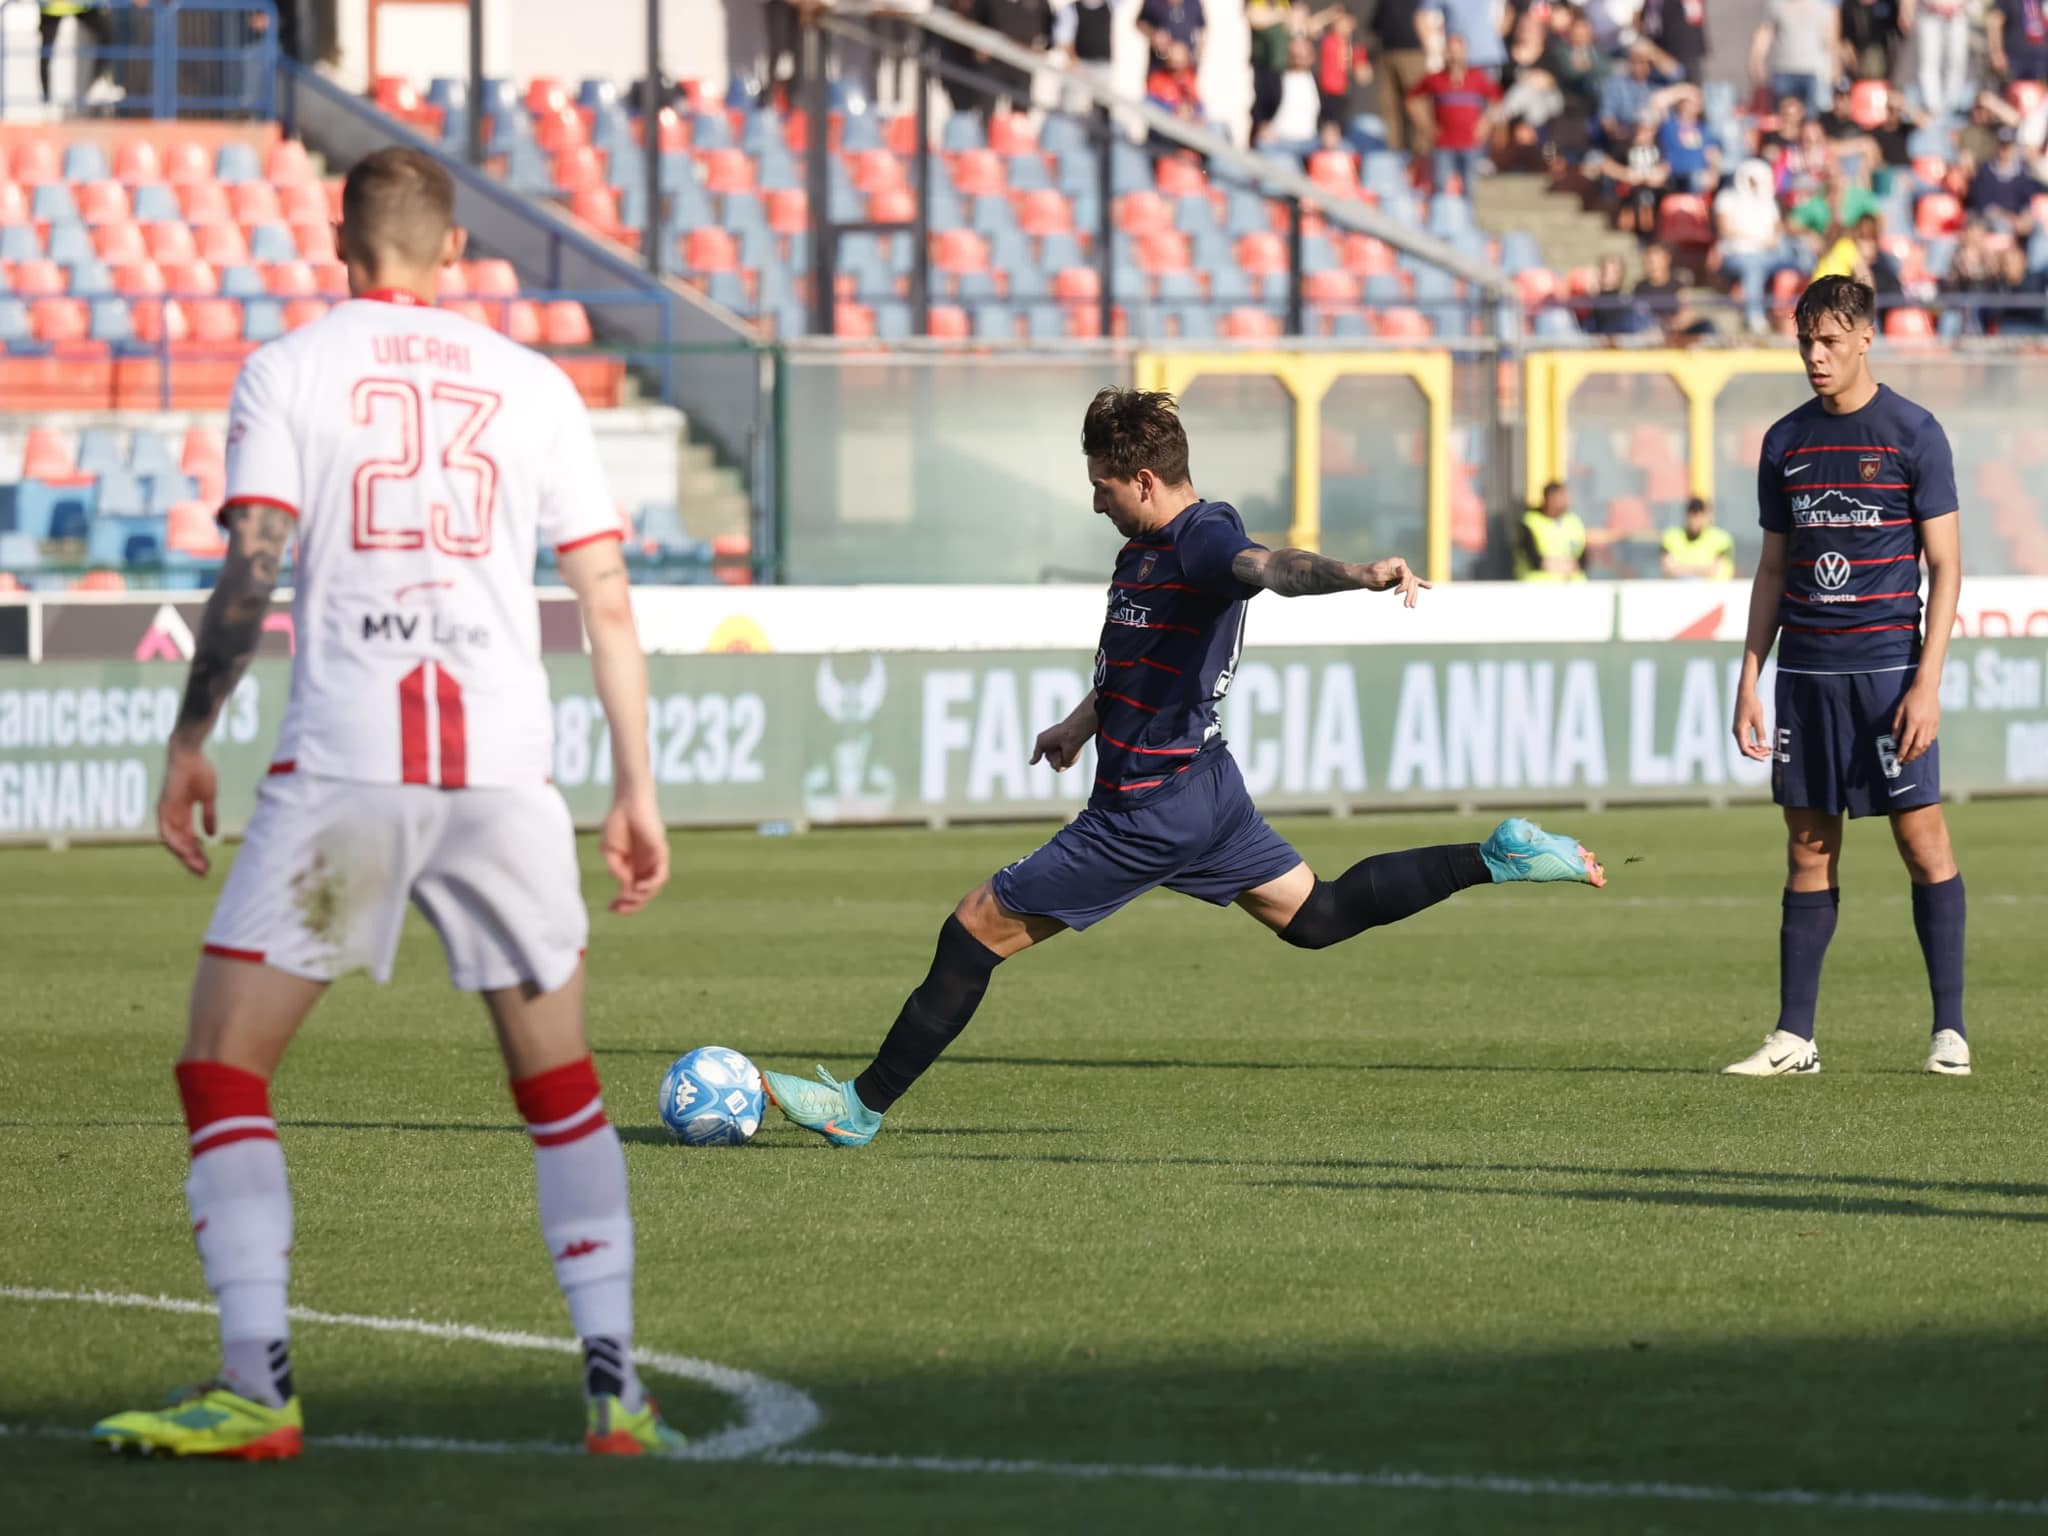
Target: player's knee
(1318, 924)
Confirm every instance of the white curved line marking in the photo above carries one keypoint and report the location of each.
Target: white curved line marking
(772, 1413)
(776, 1414)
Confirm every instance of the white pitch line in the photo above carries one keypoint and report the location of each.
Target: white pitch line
(777, 1414)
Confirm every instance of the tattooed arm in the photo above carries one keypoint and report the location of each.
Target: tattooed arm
(257, 536)
(1301, 573)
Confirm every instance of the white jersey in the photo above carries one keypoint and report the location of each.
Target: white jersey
(427, 459)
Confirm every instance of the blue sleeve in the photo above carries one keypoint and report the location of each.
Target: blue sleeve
(1206, 551)
(1773, 508)
(1934, 474)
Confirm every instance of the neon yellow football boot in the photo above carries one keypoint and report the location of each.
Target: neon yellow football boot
(207, 1420)
(612, 1431)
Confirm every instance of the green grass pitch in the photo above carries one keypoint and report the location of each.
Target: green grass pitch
(1463, 1198)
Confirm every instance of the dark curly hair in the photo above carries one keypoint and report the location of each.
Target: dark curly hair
(1134, 429)
(1848, 300)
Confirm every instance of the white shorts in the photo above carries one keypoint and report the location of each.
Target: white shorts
(327, 866)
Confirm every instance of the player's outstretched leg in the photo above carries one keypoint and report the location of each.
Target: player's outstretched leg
(241, 1209)
(1518, 849)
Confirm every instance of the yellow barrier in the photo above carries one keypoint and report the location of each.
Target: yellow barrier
(1307, 377)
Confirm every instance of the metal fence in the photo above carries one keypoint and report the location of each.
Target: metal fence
(166, 59)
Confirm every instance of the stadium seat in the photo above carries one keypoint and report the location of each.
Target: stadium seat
(190, 528)
(1404, 324)
(289, 279)
(37, 163)
(1076, 284)
(565, 323)
(39, 278)
(237, 163)
(1334, 286)
(100, 581)
(71, 244)
(137, 279)
(215, 320)
(61, 320)
(189, 278)
(14, 207)
(304, 203)
(149, 453)
(91, 277)
(599, 208)
(959, 250)
(892, 205)
(979, 173)
(120, 244)
(187, 162)
(1262, 254)
(254, 202)
(137, 163)
(522, 322)
(272, 242)
(1536, 286)
(304, 311)
(223, 246)
(729, 170)
(47, 456)
(1938, 214)
(1908, 323)
(710, 250)
(948, 322)
(1869, 104)
(165, 243)
(1684, 220)
(205, 202)
(287, 164)
(1142, 212)
(314, 240)
(53, 203)
(100, 451)
(1178, 176)
(104, 202)
(1250, 325)
(262, 319)
(19, 242)
(157, 321)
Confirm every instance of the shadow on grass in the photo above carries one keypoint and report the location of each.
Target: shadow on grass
(1169, 1063)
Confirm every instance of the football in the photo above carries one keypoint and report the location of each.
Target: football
(711, 1097)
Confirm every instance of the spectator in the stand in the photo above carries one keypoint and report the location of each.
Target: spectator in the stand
(1699, 551)
(1028, 24)
(1401, 60)
(1295, 125)
(1787, 128)
(1872, 33)
(1632, 182)
(2016, 38)
(2030, 126)
(1343, 70)
(1175, 86)
(1877, 266)
(1613, 23)
(1274, 25)
(1163, 23)
(1631, 97)
(1679, 27)
(1978, 141)
(1749, 234)
(1694, 158)
(1531, 99)
(1802, 168)
(1083, 31)
(1972, 273)
(90, 18)
(1839, 205)
(1551, 543)
(1892, 138)
(1794, 50)
(2002, 192)
(1482, 23)
(1659, 295)
(1462, 99)
(1942, 29)
(1611, 308)
(966, 65)
(2024, 315)
(1580, 70)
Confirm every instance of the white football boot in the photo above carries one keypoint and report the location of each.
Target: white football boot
(1949, 1055)
(1781, 1052)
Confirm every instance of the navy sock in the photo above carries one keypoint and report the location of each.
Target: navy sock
(1803, 933)
(1384, 889)
(932, 1016)
(1938, 912)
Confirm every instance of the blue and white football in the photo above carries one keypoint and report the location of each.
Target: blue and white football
(711, 1097)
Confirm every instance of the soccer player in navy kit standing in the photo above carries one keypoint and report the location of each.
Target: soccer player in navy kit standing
(1169, 807)
(1855, 488)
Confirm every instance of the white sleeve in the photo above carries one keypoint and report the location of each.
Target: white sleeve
(262, 451)
(575, 506)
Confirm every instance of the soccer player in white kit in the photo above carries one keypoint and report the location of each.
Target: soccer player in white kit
(420, 460)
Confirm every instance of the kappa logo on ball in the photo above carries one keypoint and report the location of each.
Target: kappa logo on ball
(1831, 570)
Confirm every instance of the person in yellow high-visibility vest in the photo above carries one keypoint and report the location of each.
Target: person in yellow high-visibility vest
(1701, 550)
(92, 18)
(1552, 542)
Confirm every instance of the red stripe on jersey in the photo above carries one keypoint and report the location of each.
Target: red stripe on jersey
(1155, 586)
(454, 745)
(1853, 485)
(1867, 597)
(412, 725)
(1121, 698)
(1887, 560)
(1135, 544)
(233, 502)
(1889, 522)
(1120, 788)
(591, 538)
(1150, 751)
(1145, 661)
(1179, 629)
(248, 956)
(289, 765)
(1861, 629)
(1838, 448)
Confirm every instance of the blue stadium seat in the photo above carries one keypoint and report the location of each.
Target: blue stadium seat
(844, 204)
(1028, 280)
(1078, 173)
(1519, 252)
(1349, 324)
(262, 319)
(85, 161)
(743, 213)
(633, 205)
(762, 131)
(120, 495)
(1130, 167)
(790, 320)
(993, 216)
(757, 249)
(1318, 254)
(447, 92)
(1246, 213)
(240, 282)
(1048, 322)
(710, 130)
(501, 97)
(19, 552)
(157, 204)
(14, 321)
(597, 94)
(18, 242)
(1057, 251)
(90, 277)
(1556, 322)
(975, 287)
(995, 322)
(1197, 322)
(151, 453)
(161, 492)
(624, 166)
(689, 207)
(55, 511)
(272, 242)
(99, 448)
(526, 168)
(893, 321)
(54, 204)
(772, 290)
(1383, 290)
(962, 131)
(237, 162)
(1179, 288)
(1062, 135)
(1231, 285)
(120, 540)
(71, 244)
(863, 130)
(777, 172)
(1195, 215)
(1028, 173)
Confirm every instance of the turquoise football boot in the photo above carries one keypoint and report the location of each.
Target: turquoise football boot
(1521, 850)
(828, 1106)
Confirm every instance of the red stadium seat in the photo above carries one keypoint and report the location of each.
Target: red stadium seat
(103, 202)
(565, 323)
(1629, 517)
(710, 250)
(205, 202)
(1334, 169)
(1683, 220)
(1909, 324)
(1083, 321)
(900, 133)
(254, 202)
(892, 205)
(1582, 282)
(38, 278)
(873, 170)
(301, 312)
(100, 581)
(1011, 133)
(291, 279)
(14, 204)
(303, 203)
(726, 170)
(38, 162)
(959, 250)
(223, 245)
(672, 131)
(1262, 253)
(1536, 286)
(492, 277)
(949, 322)
(1405, 325)
(1165, 250)
(314, 238)
(330, 278)
(155, 320)
(1045, 212)
(558, 132)
(1076, 284)
(789, 211)
(1869, 104)
(854, 322)
(48, 456)
(61, 320)
(599, 208)
(1333, 286)
(118, 244)
(187, 162)
(450, 283)
(544, 93)
(2025, 95)
(579, 168)
(1249, 325)
(1368, 257)
(523, 322)
(215, 320)
(189, 278)
(287, 164)
(473, 310)
(979, 173)
(191, 529)
(137, 164)
(170, 242)
(1937, 215)
(332, 188)
(1142, 212)
(140, 277)
(1177, 176)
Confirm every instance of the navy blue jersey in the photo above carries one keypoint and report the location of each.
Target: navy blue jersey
(1850, 492)
(1169, 646)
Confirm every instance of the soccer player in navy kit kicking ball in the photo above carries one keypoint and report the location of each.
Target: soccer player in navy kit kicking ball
(1169, 807)
(1855, 488)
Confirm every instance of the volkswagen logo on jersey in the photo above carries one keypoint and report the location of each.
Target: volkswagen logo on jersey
(1831, 570)
(1868, 465)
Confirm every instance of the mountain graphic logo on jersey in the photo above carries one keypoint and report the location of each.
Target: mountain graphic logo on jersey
(1849, 494)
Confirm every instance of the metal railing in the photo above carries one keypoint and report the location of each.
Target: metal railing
(169, 59)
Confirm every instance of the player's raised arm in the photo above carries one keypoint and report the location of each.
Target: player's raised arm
(257, 535)
(634, 839)
(1303, 573)
(1765, 593)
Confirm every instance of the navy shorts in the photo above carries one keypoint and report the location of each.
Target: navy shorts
(1833, 747)
(1206, 839)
